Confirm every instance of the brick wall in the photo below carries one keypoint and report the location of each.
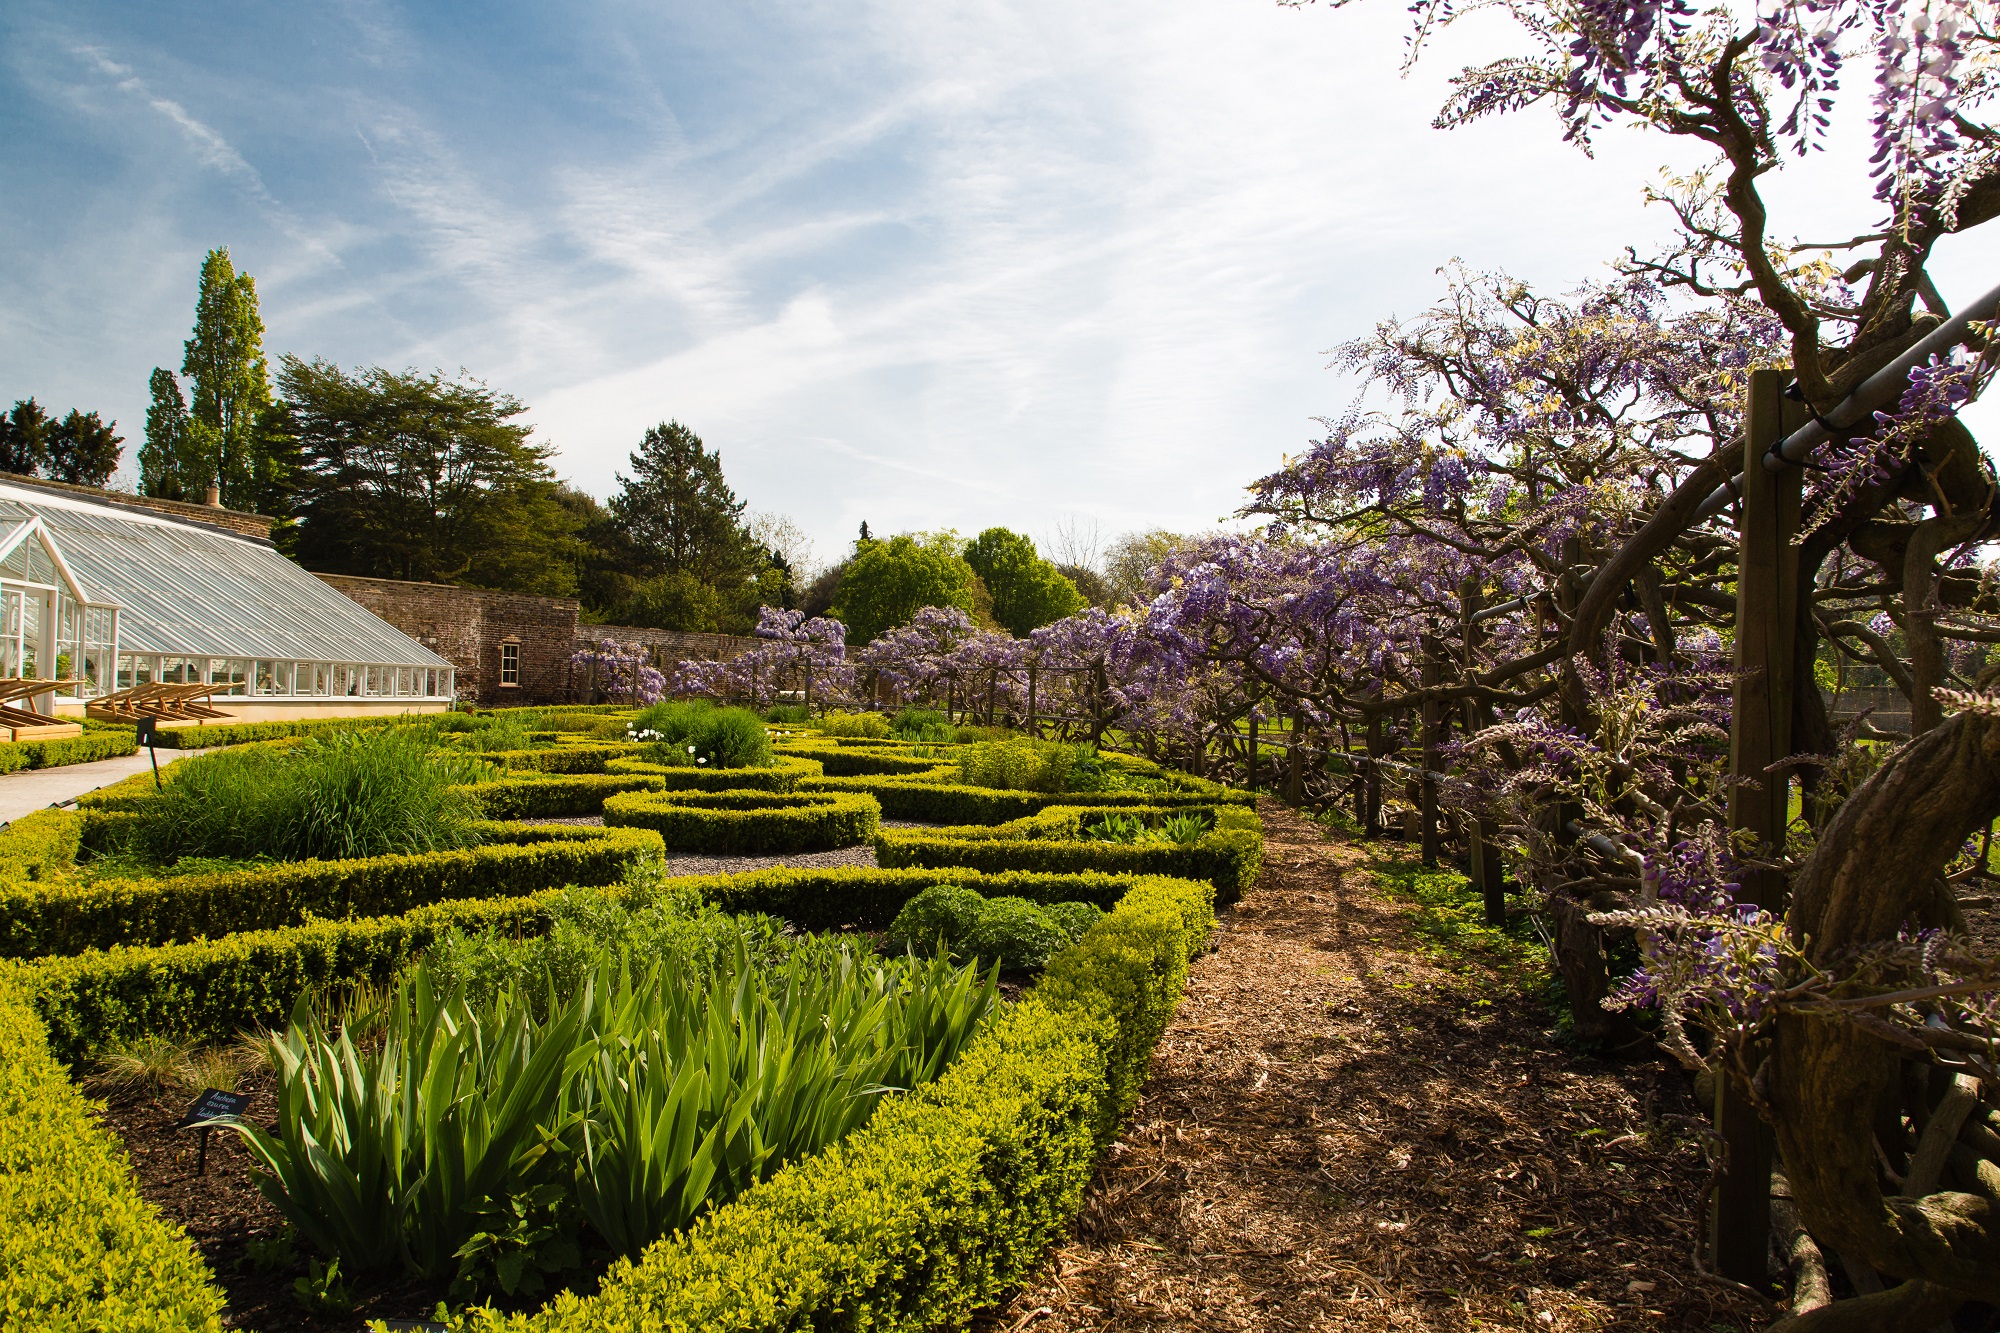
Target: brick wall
(469, 626)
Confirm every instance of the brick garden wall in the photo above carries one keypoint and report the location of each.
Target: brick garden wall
(467, 627)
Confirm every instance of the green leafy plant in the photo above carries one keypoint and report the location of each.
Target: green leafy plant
(680, 733)
(466, 1141)
(338, 796)
(1014, 933)
(788, 715)
(1023, 763)
(923, 724)
(270, 1254)
(321, 1290)
(862, 726)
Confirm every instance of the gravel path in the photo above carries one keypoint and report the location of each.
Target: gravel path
(1343, 1133)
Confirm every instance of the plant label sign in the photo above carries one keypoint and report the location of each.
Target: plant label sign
(213, 1105)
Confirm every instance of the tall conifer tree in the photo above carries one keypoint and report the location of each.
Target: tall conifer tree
(232, 385)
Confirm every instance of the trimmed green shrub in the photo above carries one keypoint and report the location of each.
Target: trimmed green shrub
(750, 823)
(593, 757)
(340, 796)
(84, 749)
(201, 736)
(67, 915)
(208, 991)
(557, 796)
(953, 803)
(39, 846)
(1019, 934)
(1228, 856)
(870, 726)
(923, 724)
(1023, 763)
(950, 1196)
(79, 1249)
(847, 761)
(784, 773)
(940, 916)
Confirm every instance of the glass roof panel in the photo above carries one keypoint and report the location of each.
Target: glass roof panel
(185, 587)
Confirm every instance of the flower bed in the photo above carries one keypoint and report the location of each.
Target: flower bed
(749, 823)
(929, 1211)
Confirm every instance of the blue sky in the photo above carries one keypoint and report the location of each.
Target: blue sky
(924, 265)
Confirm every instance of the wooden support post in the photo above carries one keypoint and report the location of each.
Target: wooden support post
(1034, 722)
(1433, 737)
(1767, 582)
(1295, 775)
(1378, 745)
(1250, 753)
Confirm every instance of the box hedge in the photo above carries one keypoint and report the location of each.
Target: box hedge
(558, 796)
(209, 990)
(948, 1197)
(84, 749)
(749, 823)
(954, 803)
(784, 774)
(1228, 856)
(865, 759)
(203, 735)
(65, 915)
(79, 1249)
(39, 846)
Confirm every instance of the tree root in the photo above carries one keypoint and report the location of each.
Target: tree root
(1914, 1307)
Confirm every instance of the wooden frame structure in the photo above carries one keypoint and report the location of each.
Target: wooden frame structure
(160, 701)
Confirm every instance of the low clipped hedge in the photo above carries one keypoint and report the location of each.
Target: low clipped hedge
(39, 846)
(201, 736)
(84, 749)
(589, 757)
(955, 803)
(948, 1196)
(785, 773)
(210, 990)
(749, 823)
(79, 1249)
(855, 762)
(1228, 856)
(558, 796)
(66, 915)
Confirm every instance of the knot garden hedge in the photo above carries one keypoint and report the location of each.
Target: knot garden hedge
(949, 1194)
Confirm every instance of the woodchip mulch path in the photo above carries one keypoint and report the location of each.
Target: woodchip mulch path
(1342, 1131)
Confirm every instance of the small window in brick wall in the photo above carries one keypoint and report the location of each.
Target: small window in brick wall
(510, 664)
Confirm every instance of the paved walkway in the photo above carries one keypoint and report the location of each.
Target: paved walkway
(34, 789)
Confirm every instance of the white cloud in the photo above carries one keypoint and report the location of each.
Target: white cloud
(925, 265)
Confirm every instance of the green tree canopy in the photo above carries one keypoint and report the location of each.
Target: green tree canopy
(225, 359)
(412, 476)
(24, 438)
(83, 449)
(1028, 591)
(678, 513)
(166, 462)
(886, 583)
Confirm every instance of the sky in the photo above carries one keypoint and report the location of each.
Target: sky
(1032, 263)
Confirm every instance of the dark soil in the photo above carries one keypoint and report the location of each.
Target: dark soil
(224, 1213)
(1342, 1131)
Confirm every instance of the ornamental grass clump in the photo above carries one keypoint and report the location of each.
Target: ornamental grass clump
(343, 795)
(484, 1140)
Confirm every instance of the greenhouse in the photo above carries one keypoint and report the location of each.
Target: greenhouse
(101, 596)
